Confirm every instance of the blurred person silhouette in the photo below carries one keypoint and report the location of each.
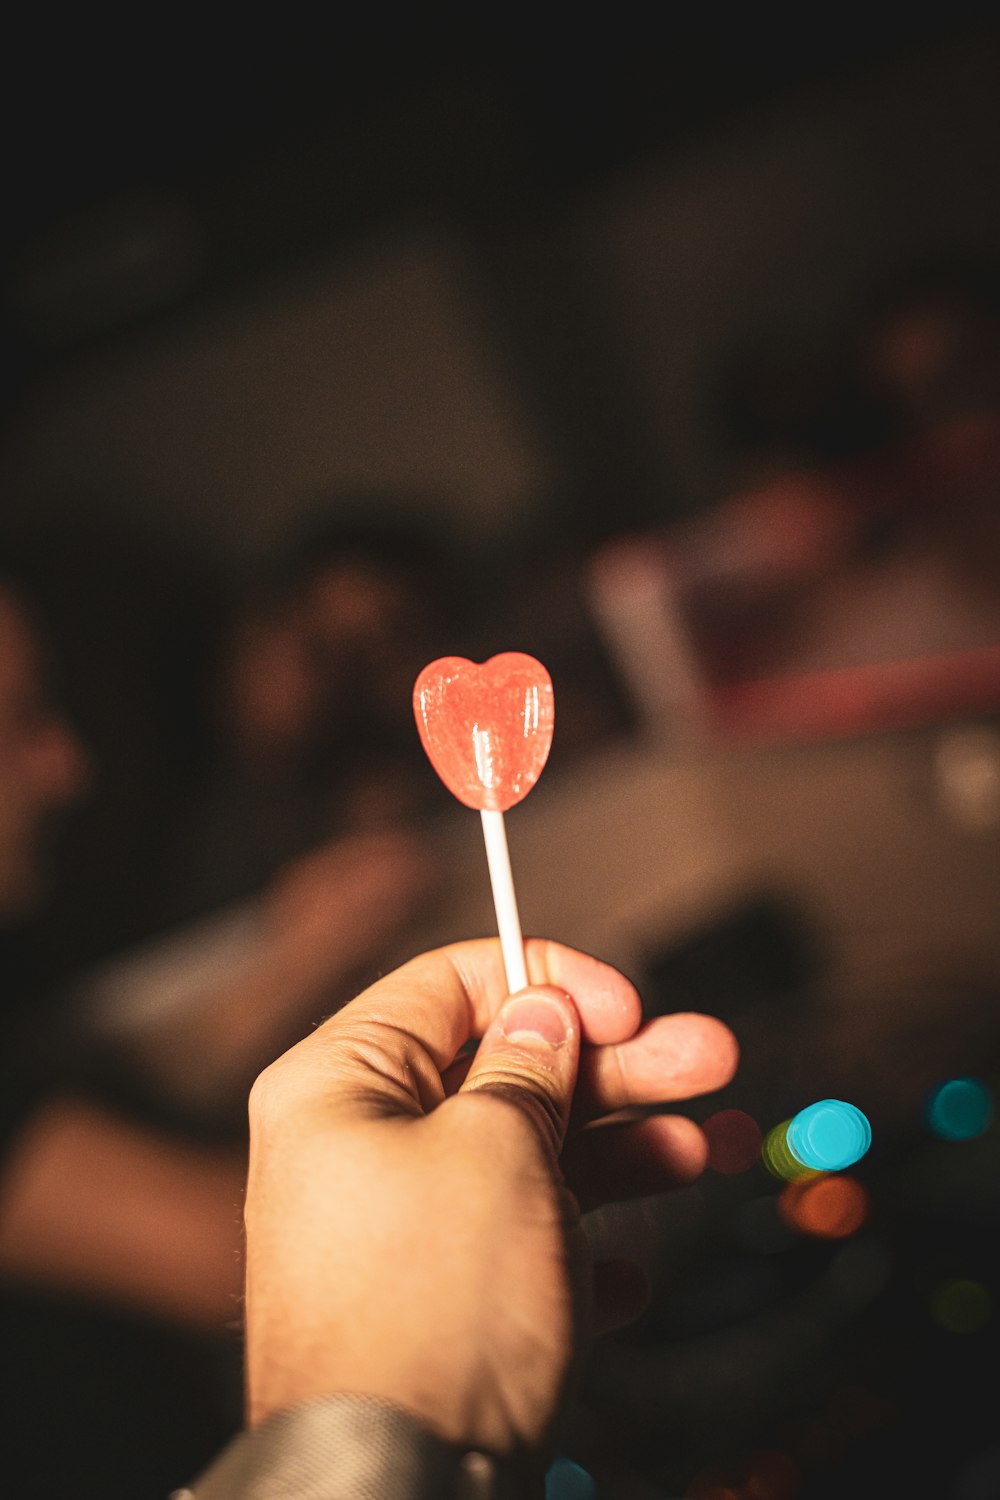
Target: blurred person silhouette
(124, 614)
(111, 1237)
(274, 818)
(305, 721)
(298, 847)
(240, 714)
(120, 1192)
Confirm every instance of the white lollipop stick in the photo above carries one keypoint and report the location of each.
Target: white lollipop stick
(502, 881)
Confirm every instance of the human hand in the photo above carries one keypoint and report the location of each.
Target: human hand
(413, 1217)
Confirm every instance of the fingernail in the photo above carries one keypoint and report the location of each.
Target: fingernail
(533, 1019)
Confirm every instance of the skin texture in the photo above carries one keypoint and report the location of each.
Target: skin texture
(413, 1221)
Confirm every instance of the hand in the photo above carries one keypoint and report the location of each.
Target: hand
(413, 1220)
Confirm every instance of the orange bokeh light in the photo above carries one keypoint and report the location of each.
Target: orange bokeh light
(831, 1208)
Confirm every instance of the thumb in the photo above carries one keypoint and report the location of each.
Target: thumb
(529, 1054)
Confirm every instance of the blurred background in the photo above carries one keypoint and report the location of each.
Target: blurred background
(670, 355)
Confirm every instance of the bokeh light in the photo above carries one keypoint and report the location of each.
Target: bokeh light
(830, 1208)
(566, 1480)
(960, 1109)
(962, 1306)
(778, 1157)
(734, 1141)
(829, 1135)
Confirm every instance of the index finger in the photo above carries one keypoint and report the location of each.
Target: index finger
(386, 1050)
(445, 997)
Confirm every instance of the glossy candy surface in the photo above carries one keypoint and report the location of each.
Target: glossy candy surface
(486, 728)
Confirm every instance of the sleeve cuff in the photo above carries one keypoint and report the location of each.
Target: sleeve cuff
(343, 1448)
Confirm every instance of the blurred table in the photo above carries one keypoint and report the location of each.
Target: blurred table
(881, 840)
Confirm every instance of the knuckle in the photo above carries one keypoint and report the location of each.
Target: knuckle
(266, 1095)
(532, 1094)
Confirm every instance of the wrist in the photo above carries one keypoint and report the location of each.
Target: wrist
(345, 1446)
(434, 1403)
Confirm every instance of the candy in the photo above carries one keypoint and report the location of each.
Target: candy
(487, 729)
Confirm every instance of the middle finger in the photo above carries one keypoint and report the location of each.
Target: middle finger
(670, 1057)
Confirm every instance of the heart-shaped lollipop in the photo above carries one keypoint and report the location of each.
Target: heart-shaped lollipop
(487, 729)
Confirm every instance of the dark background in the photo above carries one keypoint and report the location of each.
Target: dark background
(505, 272)
(578, 222)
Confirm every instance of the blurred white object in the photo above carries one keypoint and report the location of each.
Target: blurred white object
(149, 984)
(633, 597)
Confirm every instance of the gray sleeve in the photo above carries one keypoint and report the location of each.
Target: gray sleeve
(344, 1448)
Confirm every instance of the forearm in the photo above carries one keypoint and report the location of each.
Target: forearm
(200, 1060)
(95, 1204)
(205, 1061)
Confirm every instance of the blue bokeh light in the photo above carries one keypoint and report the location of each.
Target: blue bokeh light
(829, 1136)
(566, 1480)
(960, 1109)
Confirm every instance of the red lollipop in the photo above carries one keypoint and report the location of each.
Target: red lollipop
(487, 730)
